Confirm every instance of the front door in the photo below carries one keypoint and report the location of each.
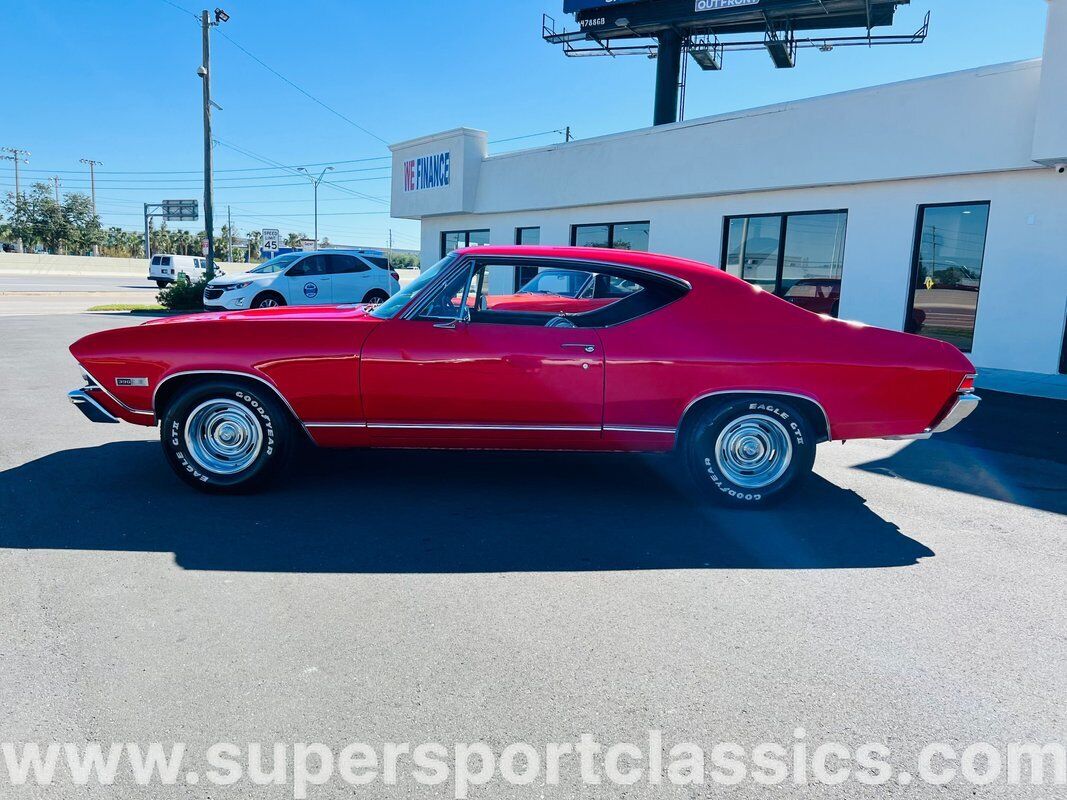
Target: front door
(443, 375)
(308, 282)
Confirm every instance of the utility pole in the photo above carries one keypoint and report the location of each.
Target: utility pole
(229, 235)
(568, 133)
(16, 155)
(55, 183)
(206, 24)
(315, 183)
(390, 257)
(92, 177)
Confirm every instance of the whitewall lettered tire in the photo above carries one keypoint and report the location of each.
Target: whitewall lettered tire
(226, 436)
(749, 452)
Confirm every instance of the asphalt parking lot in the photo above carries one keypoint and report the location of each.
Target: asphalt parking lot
(914, 593)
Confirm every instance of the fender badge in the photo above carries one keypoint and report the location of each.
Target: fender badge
(131, 381)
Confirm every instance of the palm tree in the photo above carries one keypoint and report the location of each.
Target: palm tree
(255, 241)
(295, 240)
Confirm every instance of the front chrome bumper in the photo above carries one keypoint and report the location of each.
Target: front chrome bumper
(93, 411)
(964, 406)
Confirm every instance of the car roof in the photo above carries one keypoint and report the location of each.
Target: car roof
(340, 252)
(671, 265)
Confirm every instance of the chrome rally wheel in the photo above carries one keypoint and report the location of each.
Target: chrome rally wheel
(754, 451)
(223, 436)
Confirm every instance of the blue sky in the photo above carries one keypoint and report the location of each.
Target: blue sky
(116, 81)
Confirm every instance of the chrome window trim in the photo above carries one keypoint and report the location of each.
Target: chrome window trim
(773, 393)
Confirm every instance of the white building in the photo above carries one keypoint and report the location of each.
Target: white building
(937, 204)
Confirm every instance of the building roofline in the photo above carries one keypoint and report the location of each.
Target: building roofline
(774, 108)
(462, 131)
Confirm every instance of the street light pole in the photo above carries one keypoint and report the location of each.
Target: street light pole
(315, 184)
(92, 177)
(55, 183)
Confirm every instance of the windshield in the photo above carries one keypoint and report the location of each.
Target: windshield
(566, 283)
(391, 307)
(277, 264)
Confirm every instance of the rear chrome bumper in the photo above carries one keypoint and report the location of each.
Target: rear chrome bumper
(964, 406)
(93, 411)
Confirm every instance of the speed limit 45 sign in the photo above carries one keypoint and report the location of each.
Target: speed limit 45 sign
(270, 238)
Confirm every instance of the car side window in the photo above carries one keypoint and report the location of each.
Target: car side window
(447, 303)
(378, 261)
(310, 267)
(343, 265)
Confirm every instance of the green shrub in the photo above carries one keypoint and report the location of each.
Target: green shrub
(183, 295)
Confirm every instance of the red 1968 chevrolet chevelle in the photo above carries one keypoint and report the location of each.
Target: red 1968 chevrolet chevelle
(596, 350)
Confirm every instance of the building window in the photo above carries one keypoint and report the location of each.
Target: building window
(616, 235)
(453, 240)
(524, 275)
(947, 272)
(800, 257)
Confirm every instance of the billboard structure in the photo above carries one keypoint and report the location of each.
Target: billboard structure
(669, 30)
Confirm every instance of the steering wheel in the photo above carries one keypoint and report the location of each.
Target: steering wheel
(560, 322)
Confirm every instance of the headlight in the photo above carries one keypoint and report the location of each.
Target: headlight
(226, 287)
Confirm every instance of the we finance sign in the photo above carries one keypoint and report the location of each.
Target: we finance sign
(428, 172)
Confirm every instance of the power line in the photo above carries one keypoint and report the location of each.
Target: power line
(300, 89)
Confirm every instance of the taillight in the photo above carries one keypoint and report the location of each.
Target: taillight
(967, 384)
(394, 275)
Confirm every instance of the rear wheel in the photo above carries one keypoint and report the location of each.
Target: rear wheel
(226, 436)
(749, 452)
(267, 300)
(375, 297)
(162, 284)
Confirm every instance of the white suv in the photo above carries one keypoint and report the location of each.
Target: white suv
(165, 269)
(318, 278)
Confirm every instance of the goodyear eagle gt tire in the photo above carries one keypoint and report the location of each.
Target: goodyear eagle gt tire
(226, 436)
(749, 452)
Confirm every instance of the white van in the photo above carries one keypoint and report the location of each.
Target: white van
(164, 269)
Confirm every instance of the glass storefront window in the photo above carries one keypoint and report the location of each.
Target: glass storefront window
(453, 240)
(616, 235)
(947, 272)
(797, 256)
(527, 236)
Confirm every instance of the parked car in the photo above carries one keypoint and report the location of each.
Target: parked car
(739, 384)
(164, 269)
(819, 295)
(321, 277)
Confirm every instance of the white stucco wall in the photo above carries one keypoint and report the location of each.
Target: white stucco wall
(1023, 299)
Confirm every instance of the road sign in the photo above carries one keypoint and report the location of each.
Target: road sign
(271, 239)
(180, 210)
(203, 246)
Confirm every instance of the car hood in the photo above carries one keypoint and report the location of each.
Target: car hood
(348, 312)
(237, 277)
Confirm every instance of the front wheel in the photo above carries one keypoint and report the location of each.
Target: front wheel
(267, 300)
(749, 452)
(375, 297)
(226, 437)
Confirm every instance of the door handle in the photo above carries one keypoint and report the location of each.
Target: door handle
(589, 348)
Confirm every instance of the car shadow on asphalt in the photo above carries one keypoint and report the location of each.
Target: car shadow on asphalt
(994, 474)
(435, 512)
